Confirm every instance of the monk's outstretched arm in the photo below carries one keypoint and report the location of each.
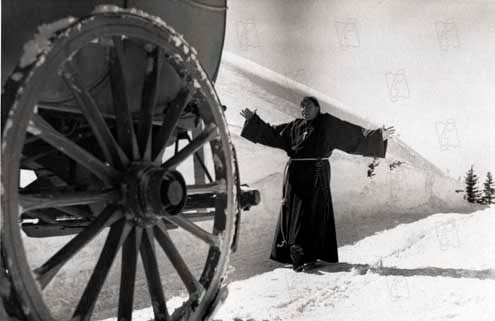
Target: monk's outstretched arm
(258, 131)
(354, 139)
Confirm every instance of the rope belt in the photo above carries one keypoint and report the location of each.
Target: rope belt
(318, 165)
(308, 159)
(311, 159)
(317, 160)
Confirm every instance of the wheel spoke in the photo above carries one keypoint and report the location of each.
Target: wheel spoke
(181, 221)
(208, 134)
(46, 200)
(125, 128)
(112, 151)
(76, 212)
(192, 285)
(40, 153)
(117, 235)
(150, 96)
(128, 277)
(216, 187)
(38, 126)
(44, 217)
(200, 216)
(201, 162)
(46, 272)
(170, 119)
(153, 276)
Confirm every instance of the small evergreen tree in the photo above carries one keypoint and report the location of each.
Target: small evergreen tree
(489, 190)
(471, 180)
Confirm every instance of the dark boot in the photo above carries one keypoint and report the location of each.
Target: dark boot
(297, 256)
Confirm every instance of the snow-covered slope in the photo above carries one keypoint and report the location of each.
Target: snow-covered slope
(438, 268)
(449, 240)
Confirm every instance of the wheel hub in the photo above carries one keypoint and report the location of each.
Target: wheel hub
(152, 191)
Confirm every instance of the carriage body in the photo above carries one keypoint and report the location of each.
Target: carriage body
(202, 23)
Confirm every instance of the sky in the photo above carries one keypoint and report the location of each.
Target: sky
(426, 67)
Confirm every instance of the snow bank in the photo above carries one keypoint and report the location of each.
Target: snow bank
(285, 295)
(442, 240)
(391, 292)
(339, 294)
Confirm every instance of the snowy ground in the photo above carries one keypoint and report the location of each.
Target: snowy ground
(439, 268)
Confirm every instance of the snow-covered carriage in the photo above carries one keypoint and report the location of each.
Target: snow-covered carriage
(90, 103)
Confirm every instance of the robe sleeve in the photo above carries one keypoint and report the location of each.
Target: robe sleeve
(354, 139)
(258, 131)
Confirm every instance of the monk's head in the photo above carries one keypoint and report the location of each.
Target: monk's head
(310, 108)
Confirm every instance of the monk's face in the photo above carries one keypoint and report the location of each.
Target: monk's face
(309, 110)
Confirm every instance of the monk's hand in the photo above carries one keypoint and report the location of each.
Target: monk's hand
(247, 113)
(387, 132)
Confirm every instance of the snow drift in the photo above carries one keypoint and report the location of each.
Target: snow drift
(438, 268)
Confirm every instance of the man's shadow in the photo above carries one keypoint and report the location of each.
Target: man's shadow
(321, 267)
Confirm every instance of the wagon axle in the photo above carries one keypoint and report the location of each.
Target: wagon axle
(152, 192)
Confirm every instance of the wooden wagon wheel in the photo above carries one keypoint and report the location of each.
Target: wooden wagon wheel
(102, 161)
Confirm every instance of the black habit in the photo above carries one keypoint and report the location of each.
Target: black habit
(306, 214)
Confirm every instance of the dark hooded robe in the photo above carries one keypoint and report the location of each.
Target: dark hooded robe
(306, 214)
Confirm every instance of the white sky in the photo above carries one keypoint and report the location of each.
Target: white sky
(440, 55)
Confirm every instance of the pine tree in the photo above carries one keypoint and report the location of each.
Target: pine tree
(489, 190)
(471, 180)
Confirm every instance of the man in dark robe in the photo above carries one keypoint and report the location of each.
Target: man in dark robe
(305, 230)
